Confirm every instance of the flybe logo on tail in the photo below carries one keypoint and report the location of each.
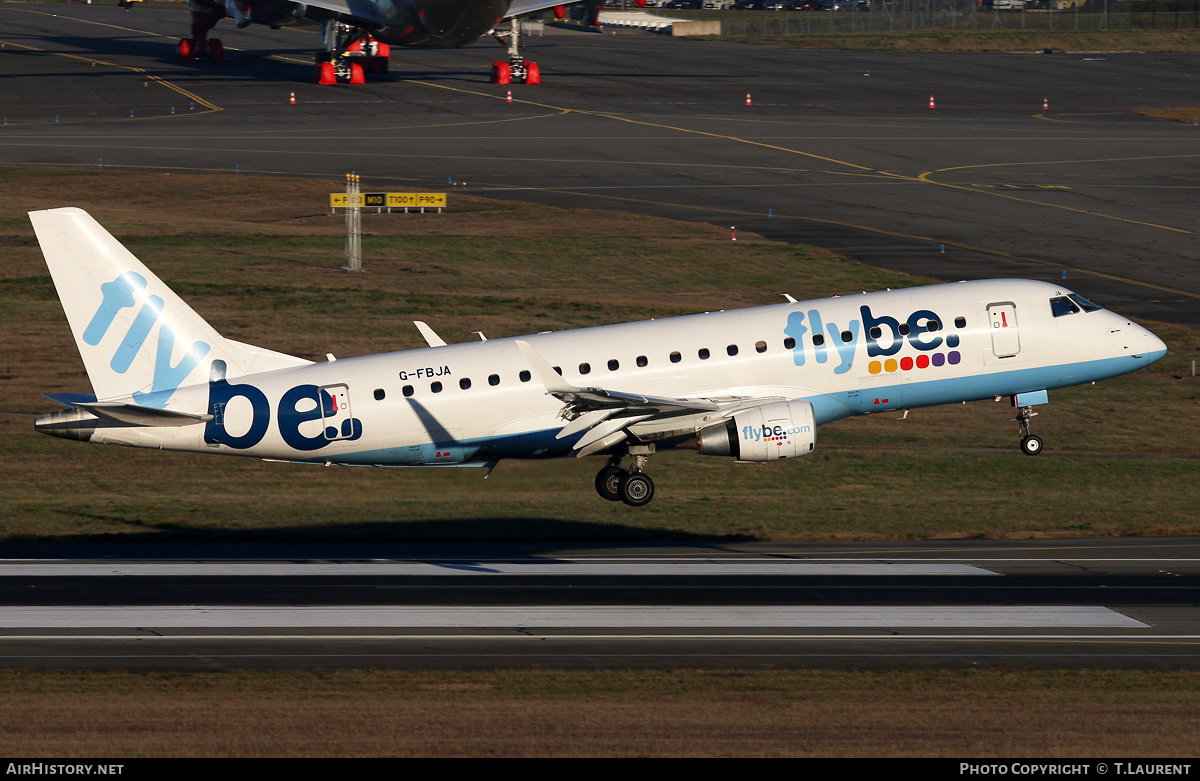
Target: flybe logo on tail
(121, 294)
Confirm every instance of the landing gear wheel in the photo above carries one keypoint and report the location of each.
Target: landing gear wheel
(608, 482)
(501, 73)
(533, 74)
(1031, 445)
(636, 489)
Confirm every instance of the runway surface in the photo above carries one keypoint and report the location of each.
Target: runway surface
(839, 148)
(1108, 604)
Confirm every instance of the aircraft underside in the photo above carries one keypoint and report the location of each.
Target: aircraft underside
(350, 48)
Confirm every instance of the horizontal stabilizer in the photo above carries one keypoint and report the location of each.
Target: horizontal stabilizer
(70, 399)
(137, 415)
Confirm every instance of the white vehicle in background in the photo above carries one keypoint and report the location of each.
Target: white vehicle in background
(1008, 5)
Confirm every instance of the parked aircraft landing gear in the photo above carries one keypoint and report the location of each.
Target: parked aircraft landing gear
(1031, 444)
(516, 70)
(205, 16)
(633, 487)
(349, 55)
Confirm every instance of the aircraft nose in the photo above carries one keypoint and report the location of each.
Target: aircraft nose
(1153, 348)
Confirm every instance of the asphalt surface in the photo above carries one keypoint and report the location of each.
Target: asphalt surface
(839, 149)
(1112, 604)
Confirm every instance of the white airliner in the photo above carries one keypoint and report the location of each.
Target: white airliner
(749, 384)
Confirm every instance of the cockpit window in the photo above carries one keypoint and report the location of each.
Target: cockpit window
(1062, 306)
(1084, 304)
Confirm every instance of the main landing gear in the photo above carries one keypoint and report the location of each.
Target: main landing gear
(633, 487)
(349, 55)
(205, 16)
(516, 70)
(1031, 444)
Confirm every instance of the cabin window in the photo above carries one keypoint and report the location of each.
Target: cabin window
(585, 368)
(876, 332)
(641, 361)
(1062, 306)
(960, 322)
(703, 353)
(847, 337)
(932, 325)
(676, 357)
(436, 387)
(818, 339)
(407, 390)
(525, 375)
(613, 365)
(464, 383)
(760, 347)
(789, 343)
(493, 379)
(904, 329)
(558, 369)
(379, 394)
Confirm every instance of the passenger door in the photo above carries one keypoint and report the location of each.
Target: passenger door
(1006, 337)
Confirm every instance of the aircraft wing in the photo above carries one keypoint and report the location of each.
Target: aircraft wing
(366, 9)
(588, 399)
(522, 7)
(359, 9)
(605, 417)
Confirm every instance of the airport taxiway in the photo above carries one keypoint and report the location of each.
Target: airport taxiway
(838, 149)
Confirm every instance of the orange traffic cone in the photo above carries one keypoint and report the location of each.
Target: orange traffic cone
(931, 102)
(1045, 103)
(748, 103)
(292, 99)
(509, 100)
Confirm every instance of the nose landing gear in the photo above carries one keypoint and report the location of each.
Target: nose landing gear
(516, 70)
(1031, 444)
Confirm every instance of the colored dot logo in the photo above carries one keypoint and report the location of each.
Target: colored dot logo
(921, 362)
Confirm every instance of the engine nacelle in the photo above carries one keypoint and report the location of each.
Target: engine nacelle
(772, 432)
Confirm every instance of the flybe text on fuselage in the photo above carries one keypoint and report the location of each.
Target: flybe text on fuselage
(884, 336)
(298, 406)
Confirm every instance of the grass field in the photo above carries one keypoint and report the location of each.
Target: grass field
(265, 270)
(270, 276)
(672, 713)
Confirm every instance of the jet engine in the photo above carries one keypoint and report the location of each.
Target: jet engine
(771, 432)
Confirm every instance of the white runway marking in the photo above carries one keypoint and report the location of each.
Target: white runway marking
(555, 617)
(565, 568)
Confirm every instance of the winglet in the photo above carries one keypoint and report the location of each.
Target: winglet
(431, 338)
(545, 372)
